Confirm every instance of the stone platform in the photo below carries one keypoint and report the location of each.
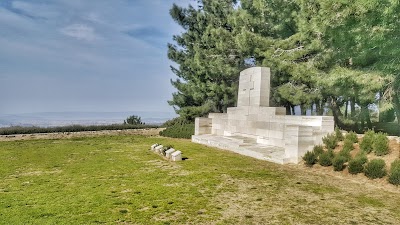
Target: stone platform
(244, 146)
(255, 129)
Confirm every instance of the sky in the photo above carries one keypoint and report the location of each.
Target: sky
(87, 56)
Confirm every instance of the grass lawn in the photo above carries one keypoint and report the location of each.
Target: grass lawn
(117, 180)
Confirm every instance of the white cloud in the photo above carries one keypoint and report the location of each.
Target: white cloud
(94, 17)
(39, 47)
(80, 32)
(37, 10)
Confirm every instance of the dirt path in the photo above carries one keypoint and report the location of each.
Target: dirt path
(147, 132)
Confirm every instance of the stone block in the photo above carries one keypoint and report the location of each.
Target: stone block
(158, 149)
(153, 147)
(169, 152)
(280, 111)
(202, 126)
(176, 156)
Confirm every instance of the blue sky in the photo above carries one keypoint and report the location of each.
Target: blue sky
(91, 55)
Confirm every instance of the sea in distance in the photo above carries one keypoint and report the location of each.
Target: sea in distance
(52, 119)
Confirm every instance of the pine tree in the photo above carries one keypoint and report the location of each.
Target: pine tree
(209, 63)
(270, 35)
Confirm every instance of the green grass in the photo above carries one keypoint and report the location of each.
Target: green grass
(117, 180)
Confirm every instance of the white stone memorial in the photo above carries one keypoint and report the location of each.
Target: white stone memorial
(169, 152)
(159, 148)
(176, 156)
(257, 130)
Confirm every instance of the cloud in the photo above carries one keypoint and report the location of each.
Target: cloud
(80, 32)
(152, 35)
(82, 52)
(95, 18)
(34, 11)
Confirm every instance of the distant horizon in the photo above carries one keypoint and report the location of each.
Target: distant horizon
(75, 111)
(51, 119)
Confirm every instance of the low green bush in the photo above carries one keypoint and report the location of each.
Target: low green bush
(394, 174)
(179, 131)
(380, 144)
(348, 145)
(375, 169)
(330, 141)
(352, 136)
(310, 158)
(362, 157)
(338, 162)
(345, 153)
(356, 165)
(174, 121)
(367, 141)
(338, 134)
(325, 159)
(318, 150)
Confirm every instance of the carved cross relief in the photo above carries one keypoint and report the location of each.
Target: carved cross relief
(248, 87)
(254, 87)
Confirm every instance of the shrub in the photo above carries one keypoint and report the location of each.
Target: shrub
(318, 150)
(352, 136)
(345, 153)
(179, 131)
(338, 163)
(175, 121)
(362, 156)
(348, 145)
(325, 159)
(394, 175)
(367, 141)
(330, 141)
(375, 169)
(380, 144)
(310, 158)
(133, 120)
(338, 134)
(356, 165)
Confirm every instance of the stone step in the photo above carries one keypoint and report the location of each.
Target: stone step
(235, 144)
(241, 139)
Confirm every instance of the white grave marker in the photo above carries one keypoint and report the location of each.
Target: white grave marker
(176, 156)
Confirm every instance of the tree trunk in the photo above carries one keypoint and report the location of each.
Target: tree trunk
(365, 117)
(293, 112)
(346, 109)
(336, 113)
(288, 109)
(303, 109)
(353, 107)
(396, 105)
(368, 118)
(319, 109)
